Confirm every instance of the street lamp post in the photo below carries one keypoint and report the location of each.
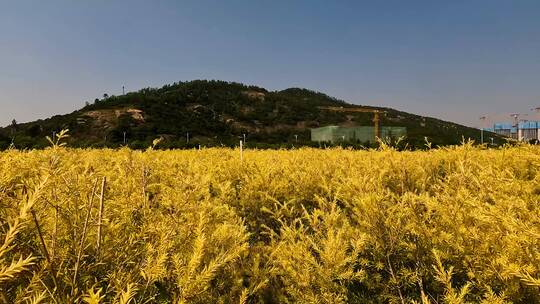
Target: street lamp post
(482, 119)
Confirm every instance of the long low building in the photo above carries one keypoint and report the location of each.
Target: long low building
(364, 134)
(525, 131)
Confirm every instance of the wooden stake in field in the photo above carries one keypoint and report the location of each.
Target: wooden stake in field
(85, 227)
(45, 251)
(55, 233)
(241, 152)
(144, 185)
(100, 216)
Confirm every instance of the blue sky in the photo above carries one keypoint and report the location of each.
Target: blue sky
(455, 60)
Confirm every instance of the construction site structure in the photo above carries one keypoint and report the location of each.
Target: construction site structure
(522, 131)
(376, 128)
(361, 134)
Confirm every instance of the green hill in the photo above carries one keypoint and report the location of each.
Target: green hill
(216, 113)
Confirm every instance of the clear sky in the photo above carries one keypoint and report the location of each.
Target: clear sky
(455, 60)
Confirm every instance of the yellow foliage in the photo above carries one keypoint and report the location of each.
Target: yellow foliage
(452, 225)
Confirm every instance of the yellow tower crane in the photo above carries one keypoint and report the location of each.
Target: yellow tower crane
(361, 110)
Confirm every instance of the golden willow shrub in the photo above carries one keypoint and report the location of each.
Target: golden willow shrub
(455, 225)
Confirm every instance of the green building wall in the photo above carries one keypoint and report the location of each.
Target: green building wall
(364, 134)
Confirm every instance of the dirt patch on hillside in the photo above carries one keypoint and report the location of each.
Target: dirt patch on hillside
(255, 95)
(109, 118)
(135, 114)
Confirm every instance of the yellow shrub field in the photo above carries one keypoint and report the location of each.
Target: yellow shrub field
(452, 225)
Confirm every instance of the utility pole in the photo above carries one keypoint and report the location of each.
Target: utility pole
(244, 134)
(482, 119)
(123, 90)
(124, 137)
(187, 137)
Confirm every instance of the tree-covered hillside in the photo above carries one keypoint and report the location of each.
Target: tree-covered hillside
(218, 113)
